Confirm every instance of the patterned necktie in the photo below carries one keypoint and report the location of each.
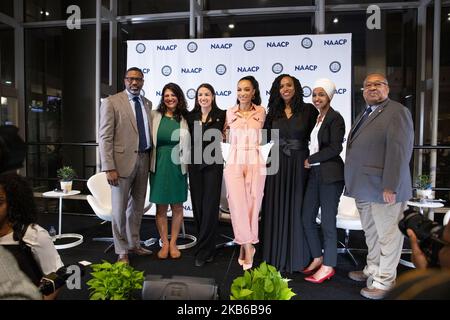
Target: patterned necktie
(362, 120)
(140, 124)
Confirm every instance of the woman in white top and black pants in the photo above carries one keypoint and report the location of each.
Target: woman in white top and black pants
(325, 183)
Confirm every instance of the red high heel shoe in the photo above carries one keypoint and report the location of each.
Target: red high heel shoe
(325, 277)
(308, 272)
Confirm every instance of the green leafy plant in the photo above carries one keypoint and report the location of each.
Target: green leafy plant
(423, 182)
(114, 281)
(66, 173)
(261, 283)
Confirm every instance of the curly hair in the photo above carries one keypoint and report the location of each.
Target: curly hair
(22, 210)
(256, 99)
(213, 92)
(181, 109)
(276, 103)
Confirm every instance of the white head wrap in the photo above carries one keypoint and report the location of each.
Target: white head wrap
(327, 85)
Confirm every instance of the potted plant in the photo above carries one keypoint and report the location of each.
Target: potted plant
(423, 187)
(66, 174)
(115, 281)
(261, 283)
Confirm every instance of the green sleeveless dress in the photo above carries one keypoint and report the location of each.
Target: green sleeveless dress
(167, 184)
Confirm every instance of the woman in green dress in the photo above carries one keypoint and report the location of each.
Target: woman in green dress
(168, 165)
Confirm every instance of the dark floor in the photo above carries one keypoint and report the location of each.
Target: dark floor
(224, 269)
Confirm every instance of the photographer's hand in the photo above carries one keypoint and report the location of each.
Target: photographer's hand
(418, 257)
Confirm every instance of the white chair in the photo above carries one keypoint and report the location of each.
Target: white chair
(100, 202)
(348, 219)
(446, 218)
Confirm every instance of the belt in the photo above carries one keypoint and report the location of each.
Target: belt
(286, 145)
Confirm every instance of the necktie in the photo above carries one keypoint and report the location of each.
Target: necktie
(362, 120)
(140, 124)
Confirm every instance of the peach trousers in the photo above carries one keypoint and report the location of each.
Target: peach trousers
(245, 189)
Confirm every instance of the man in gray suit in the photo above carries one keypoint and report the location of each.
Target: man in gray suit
(377, 175)
(125, 143)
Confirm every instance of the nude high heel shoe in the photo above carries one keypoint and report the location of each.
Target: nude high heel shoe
(241, 261)
(247, 266)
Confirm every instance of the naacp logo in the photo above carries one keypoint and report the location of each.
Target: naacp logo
(166, 70)
(277, 68)
(221, 69)
(249, 45)
(140, 48)
(192, 47)
(335, 66)
(190, 93)
(307, 43)
(306, 91)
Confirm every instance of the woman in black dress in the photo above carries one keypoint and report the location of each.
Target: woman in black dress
(284, 244)
(206, 122)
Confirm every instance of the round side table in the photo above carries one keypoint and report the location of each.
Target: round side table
(78, 237)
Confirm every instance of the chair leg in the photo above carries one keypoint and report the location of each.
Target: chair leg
(105, 239)
(109, 247)
(345, 247)
(226, 244)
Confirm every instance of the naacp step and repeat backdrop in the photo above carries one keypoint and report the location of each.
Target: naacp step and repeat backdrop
(223, 61)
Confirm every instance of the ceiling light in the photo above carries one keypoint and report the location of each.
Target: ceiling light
(335, 20)
(231, 26)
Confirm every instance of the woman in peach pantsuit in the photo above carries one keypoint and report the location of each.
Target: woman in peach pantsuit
(245, 169)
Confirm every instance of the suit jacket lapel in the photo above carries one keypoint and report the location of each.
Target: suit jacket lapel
(127, 108)
(328, 117)
(155, 125)
(372, 117)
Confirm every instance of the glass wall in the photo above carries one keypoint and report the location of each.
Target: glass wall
(60, 101)
(7, 59)
(47, 10)
(134, 7)
(7, 7)
(270, 25)
(443, 156)
(9, 112)
(239, 4)
(390, 50)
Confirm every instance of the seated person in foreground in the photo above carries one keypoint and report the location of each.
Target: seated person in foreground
(31, 245)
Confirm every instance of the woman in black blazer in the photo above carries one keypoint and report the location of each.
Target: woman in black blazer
(325, 183)
(206, 122)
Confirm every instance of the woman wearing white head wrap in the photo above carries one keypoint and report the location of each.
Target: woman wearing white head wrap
(325, 184)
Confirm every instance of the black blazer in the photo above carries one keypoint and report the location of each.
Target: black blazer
(331, 137)
(215, 120)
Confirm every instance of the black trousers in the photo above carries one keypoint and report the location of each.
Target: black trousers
(205, 185)
(325, 196)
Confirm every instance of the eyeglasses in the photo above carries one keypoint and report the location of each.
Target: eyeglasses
(131, 79)
(377, 85)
